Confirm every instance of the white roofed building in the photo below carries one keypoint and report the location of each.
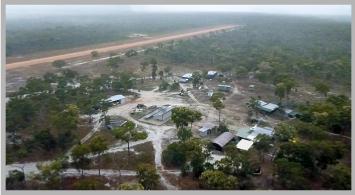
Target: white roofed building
(120, 99)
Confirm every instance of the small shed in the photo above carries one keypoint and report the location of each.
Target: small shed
(211, 74)
(116, 99)
(267, 107)
(225, 88)
(222, 140)
(206, 129)
(244, 144)
(187, 76)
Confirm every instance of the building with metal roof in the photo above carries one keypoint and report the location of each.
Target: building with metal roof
(116, 99)
(162, 113)
(253, 132)
(211, 74)
(267, 107)
(206, 129)
(222, 140)
(244, 144)
(225, 88)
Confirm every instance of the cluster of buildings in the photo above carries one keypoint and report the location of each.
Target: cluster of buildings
(244, 136)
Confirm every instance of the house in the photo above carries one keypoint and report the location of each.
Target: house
(211, 74)
(162, 113)
(222, 140)
(116, 99)
(267, 107)
(206, 129)
(247, 135)
(225, 88)
(253, 132)
(244, 144)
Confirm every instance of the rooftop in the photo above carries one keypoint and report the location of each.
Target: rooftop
(253, 132)
(268, 107)
(211, 72)
(187, 75)
(223, 139)
(115, 98)
(244, 144)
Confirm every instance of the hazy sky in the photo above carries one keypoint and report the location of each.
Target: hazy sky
(25, 10)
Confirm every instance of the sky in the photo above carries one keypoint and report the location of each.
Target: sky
(26, 10)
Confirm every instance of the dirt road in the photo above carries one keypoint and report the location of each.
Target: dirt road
(116, 47)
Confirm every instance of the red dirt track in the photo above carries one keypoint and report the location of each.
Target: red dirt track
(123, 46)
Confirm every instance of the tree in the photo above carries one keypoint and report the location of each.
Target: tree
(196, 79)
(284, 132)
(290, 175)
(161, 75)
(97, 146)
(15, 180)
(167, 70)
(280, 91)
(114, 61)
(94, 54)
(217, 180)
(79, 155)
(128, 133)
(184, 134)
(131, 53)
(263, 144)
(337, 177)
(45, 140)
(327, 152)
(89, 184)
(147, 176)
(153, 61)
(217, 104)
(154, 70)
(174, 154)
(131, 186)
(58, 63)
(252, 105)
(51, 173)
(182, 116)
(322, 88)
(299, 153)
(179, 117)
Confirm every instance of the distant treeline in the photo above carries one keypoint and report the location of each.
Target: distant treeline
(33, 35)
(306, 48)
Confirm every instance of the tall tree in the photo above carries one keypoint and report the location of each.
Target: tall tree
(129, 133)
(79, 156)
(196, 79)
(148, 176)
(263, 144)
(322, 88)
(154, 71)
(280, 91)
(217, 180)
(218, 104)
(97, 146)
